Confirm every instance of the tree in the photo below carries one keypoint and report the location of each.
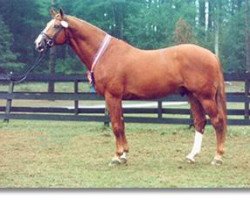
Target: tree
(151, 24)
(24, 21)
(118, 13)
(219, 25)
(8, 59)
(232, 39)
(183, 33)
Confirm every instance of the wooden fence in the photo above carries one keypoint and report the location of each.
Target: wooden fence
(159, 114)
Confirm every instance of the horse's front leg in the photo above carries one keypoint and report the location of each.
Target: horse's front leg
(116, 116)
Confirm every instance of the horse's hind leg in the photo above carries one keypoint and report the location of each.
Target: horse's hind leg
(218, 121)
(199, 124)
(116, 116)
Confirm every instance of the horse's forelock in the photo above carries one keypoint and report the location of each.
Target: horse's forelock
(58, 16)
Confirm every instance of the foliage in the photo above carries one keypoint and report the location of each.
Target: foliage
(22, 19)
(233, 44)
(69, 65)
(183, 33)
(147, 24)
(152, 23)
(7, 58)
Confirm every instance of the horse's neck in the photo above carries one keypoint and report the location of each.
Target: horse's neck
(85, 39)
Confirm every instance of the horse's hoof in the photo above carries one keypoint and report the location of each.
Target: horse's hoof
(190, 159)
(115, 162)
(217, 162)
(118, 161)
(123, 160)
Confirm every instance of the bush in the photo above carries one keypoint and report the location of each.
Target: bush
(69, 65)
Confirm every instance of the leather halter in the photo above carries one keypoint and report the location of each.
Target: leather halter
(50, 41)
(103, 47)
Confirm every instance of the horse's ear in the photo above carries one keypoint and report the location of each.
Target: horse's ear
(61, 13)
(53, 12)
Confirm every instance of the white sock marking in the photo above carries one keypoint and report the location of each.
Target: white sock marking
(124, 155)
(196, 146)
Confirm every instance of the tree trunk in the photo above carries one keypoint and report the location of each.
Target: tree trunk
(216, 41)
(206, 16)
(202, 13)
(197, 13)
(217, 27)
(118, 10)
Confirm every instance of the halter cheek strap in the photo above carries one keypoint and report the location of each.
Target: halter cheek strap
(51, 40)
(103, 47)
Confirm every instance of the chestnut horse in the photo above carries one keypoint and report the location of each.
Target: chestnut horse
(120, 71)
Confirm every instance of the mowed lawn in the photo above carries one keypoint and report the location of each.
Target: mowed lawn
(44, 154)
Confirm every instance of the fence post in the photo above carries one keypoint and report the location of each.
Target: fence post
(76, 102)
(247, 95)
(9, 102)
(159, 109)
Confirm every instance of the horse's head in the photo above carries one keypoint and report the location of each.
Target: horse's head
(54, 33)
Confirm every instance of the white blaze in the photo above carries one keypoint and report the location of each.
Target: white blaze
(40, 37)
(38, 40)
(51, 23)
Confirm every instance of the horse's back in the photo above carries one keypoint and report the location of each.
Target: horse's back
(193, 55)
(147, 74)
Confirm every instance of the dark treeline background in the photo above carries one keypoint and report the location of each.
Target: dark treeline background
(219, 25)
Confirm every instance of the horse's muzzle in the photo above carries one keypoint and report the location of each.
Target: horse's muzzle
(43, 42)
(40, 48)
(40, 43)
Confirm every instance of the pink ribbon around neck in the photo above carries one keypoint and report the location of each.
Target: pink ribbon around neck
(103, 47)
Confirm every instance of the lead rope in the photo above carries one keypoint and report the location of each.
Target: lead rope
(21, 78)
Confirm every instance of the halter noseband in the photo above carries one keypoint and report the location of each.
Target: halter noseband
(50, 41)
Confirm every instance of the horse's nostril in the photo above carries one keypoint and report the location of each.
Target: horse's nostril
(40, 48)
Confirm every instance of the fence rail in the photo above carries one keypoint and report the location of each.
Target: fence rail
(159, 114)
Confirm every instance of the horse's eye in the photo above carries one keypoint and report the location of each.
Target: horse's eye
(56, 26)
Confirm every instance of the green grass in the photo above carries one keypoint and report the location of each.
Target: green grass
(43, 87)
(69, 87)
(37, 154)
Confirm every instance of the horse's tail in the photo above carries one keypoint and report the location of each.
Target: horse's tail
(221, 97)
